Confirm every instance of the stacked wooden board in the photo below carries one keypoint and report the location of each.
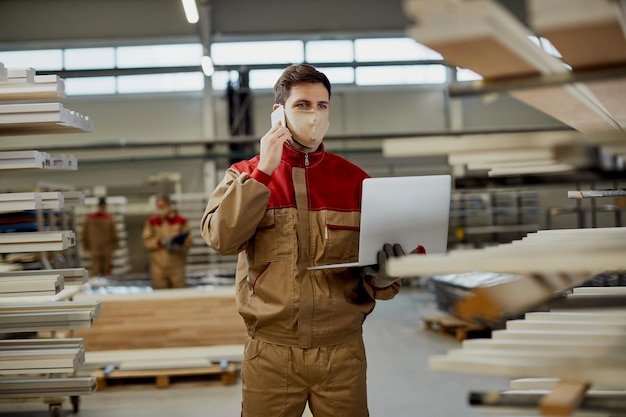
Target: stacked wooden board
(482, 35)
(561, 361)
(548, 262)
(164, 319)
(498, 154)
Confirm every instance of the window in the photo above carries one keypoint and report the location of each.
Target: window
(365, 62)
(401, 74)
(159, 56)
(154, 83)
(42, 60)
(464, 74)
(392, 49)
(89, 58)
(329, 51)
(260, 52)
(90, 86)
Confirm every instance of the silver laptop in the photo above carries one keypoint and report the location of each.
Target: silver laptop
(410, 211)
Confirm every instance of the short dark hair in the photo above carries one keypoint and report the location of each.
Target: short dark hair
(102, 201)
(165, 198)
(295, 75)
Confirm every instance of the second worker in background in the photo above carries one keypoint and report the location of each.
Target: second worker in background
(99, 238)
(167, 236)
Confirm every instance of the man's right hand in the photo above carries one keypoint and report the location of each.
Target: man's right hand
(271, 148)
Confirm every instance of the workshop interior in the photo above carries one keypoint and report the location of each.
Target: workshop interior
(123, 122)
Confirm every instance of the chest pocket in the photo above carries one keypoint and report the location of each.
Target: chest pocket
(275, 237)
(341, 237)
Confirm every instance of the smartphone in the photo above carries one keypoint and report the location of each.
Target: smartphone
(278, 115)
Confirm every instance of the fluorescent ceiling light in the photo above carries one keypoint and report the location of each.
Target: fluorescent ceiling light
(207, 65)
(191, 11)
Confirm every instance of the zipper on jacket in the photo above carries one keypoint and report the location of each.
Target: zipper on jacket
(306, 159)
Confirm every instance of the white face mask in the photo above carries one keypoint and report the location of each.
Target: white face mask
(307, 127)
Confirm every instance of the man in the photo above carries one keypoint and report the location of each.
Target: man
(99, 237)
(167, 236)
(294, 206)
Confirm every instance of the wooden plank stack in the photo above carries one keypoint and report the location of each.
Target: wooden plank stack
(575, 336)
(561, 259)
(483, 36)
(560, 362)
(498, 154)
(153, 320)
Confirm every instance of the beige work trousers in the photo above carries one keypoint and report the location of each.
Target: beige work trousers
(279, 380)
(100, 264)
(168, 277)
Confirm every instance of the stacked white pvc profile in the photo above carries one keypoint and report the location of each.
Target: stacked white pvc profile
(34, 344)
(24, 160)
(21, 85)
(91, 307)
(36, 241)
(40, 200)
(40, 361)
(25, 388)
(63, 161)
(61, 315)
(32, 322)
(21, 75)
(10, 202)
(41, 115)
(38, 356)
(61, 199)
(71, 276)
(4, 73)
(28, 286)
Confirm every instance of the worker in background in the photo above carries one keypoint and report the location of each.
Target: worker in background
(99, 239)
(167, 236)
(294, 206)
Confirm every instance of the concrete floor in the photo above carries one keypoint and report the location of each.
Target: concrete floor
(399, 381)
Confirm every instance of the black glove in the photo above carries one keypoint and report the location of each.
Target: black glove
(377, 274)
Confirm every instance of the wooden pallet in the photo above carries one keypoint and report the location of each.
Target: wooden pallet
(452, 326)
(163, 378)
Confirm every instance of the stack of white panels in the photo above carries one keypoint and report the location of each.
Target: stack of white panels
(10, 202)
(71, 276)
(28, 286)
(32, 388)
(23, 84)
(24, 160)
(59, 315)
(30, 118)
(36, 241)
(30, 358)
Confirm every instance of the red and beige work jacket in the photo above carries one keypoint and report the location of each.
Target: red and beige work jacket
(306, 213)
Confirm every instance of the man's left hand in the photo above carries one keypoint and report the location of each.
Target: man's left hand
(377, 274)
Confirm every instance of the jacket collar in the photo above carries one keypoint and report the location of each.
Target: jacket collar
(298, 159)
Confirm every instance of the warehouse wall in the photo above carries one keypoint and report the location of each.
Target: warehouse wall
(174, 118)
